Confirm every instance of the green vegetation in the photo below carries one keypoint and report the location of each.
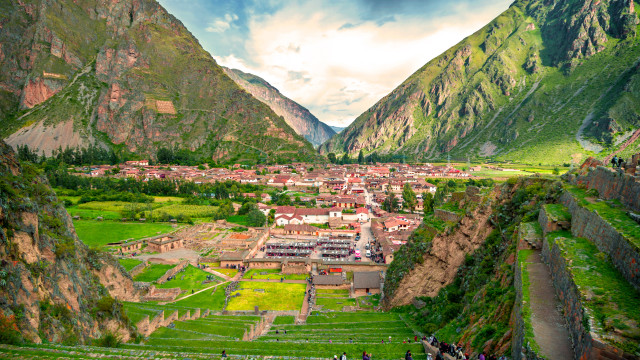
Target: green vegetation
(267, 296)
(284, 320)
(152, 272)
(228, 272)
(612, 211)
(557, 212)
(191, 278)
(99, 233)
(334, 303)
(129, 264)
(272, 274)
(238, 219)
(209, 299)
(612, 302)
(523, 255)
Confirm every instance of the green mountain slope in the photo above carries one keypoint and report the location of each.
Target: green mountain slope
(519, 89)
(127, 75)
(297, 116)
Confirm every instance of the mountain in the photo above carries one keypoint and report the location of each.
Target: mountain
(51, 284)
(337, 129)
(298, 117)
(126, 75)
(545, 82)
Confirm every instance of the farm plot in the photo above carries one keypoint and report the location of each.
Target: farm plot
(267, 296)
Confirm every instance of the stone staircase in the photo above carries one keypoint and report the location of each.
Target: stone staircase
(589, 256)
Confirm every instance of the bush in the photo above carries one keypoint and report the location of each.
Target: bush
(9, 333)
(256, 218)
(109, 339)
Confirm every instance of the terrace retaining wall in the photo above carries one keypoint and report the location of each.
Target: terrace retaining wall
(520, 349)
(445, 215)
(138, 268)
(586, 344)
(171, 272)
(587, 224)
(610, 184)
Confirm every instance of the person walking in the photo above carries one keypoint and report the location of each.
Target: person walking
(344, 356)
(614, 161)
(439, 356)
(224, 353)
(365, 356)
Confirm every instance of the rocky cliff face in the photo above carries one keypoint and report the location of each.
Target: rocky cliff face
(298, 117)
(516, 89)
(127, 73)
(56, 288)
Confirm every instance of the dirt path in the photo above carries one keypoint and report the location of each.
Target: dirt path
(304, 312)
(548, 324)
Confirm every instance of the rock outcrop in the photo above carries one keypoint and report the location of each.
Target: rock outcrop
(298, 117)
(128, 73)
(57, 289)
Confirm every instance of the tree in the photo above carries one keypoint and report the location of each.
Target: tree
(256, 218)
(247, 208)
(345, 159)
(332, 158)
(427, 202)
(555, 171)
(409, 197)
(165, 156)
(360, 157)
(390, 204)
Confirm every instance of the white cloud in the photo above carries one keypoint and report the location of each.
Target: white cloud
(338, 71)
(223, 24)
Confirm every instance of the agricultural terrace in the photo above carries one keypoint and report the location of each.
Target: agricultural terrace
(191, 278)
(272, 274)
(335, 300)
(99, 233)
(129, 264)
(152, 272)
(212, 299)
(267, 296)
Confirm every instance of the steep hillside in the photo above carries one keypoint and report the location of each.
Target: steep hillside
(545, 82)
(298, 117)
(126, 74)
(51, 284)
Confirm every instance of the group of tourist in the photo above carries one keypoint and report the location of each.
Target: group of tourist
(617, 162)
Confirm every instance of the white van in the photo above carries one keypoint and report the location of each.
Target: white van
(368, 253)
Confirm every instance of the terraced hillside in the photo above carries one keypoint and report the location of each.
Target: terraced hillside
(545, 82)
(127, 76)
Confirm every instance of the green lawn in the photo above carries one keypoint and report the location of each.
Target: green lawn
(268, 296)
(129, 264)
(88, 214)
(208, 299)
(557, 212)
(334, 303)
(153, 272)
(228, 272)
(191, 278)
(272, 274)
(284, 320)
(99, 233)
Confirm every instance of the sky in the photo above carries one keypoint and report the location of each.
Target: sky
(336, 58)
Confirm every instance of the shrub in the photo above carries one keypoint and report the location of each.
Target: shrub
(109, 339)
(9, 333)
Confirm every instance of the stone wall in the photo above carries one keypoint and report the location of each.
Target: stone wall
(549, 224)
(587, 345)
(171, 272)
(138, 269)
(611, 185)
(589, 225)
(520, 348)
(445, 215)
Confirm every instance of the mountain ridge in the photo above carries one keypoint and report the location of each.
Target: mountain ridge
(296, 116)
(489, 97)
(129, 76)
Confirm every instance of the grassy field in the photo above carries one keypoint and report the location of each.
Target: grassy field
(334, 303)
(209, 299)
(228, 272)
(93, 214)
(268, 296)
(284, 320)
(152, 272)
(129, 264)
(191, 211)
(272, 274)
(99, 233)
(191, 278)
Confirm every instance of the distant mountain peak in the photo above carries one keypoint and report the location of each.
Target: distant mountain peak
(297, 116)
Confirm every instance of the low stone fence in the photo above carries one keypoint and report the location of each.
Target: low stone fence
(138, 268)
(586, 344)
(162, 295)
(171, 272)
(624, 255)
